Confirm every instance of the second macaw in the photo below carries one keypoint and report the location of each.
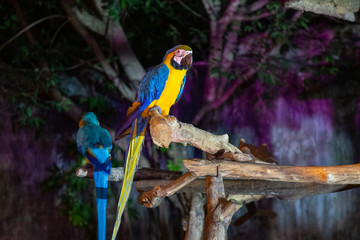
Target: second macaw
(160, 88)
(94, 142)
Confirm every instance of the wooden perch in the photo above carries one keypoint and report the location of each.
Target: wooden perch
(260, 153)
(343, 9)
(282, 190)
(154, 197)
(195, 224)
(118, 173)
(344, 174)
(219, 209)
(165, 130)
(146, 179)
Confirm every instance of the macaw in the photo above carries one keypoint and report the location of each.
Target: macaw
(94, 142)
(160, 88)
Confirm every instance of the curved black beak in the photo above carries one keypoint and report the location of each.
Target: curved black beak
(187, 61)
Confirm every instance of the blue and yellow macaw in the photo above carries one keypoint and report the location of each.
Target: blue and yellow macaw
(160, 88)
(94, 142)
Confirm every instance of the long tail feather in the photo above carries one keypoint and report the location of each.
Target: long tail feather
(132, 159)
(101, 185)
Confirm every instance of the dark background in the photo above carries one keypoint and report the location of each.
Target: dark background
(271, 75)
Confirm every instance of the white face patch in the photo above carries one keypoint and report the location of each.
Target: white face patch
(180, 54)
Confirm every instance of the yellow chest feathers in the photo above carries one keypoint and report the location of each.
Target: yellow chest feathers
(171, 89)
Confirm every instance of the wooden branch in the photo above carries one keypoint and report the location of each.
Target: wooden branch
(219, 209)
(146, 179)
(216, 103)
(165, 130)
(141, 174)
(153, 198)
(257, 5)
(345, 9)
(109, 70)
(246, 198)
(261, 152)
(344, 174)
(114, 33)
(282, 190)
(195, 224)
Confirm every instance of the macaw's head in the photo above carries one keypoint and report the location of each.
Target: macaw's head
(181, 57)
(89, 117)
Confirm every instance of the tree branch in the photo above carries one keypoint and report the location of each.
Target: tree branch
(345, 9)
(218, 102)
(153, 198)
(191, 10)
(282, 190)
(344, 174)
(257, 5)
(219, 210)
(195, 224)
(110, 72)
(29, 34)
(117, 174)
(114, 33)
(165, 130)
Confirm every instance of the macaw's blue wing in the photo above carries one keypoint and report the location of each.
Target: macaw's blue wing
(181, 89)
(152, 85)
(150, 89)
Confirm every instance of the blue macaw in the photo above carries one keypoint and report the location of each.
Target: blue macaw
(160, 88)
(94, 142)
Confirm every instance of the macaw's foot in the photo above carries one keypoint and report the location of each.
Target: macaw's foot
(155, 108)
(172, 118)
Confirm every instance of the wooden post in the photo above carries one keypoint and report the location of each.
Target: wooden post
(219, 210)
(195, 224)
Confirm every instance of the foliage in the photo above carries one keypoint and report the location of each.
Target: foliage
(74, 193)
(175, 165)
(99, 105)
(152, 26)
(139, 21)
(114, 161)
(132, 210)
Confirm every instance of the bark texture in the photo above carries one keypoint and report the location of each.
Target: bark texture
(165, 130)
(343, 9)
(344, 174)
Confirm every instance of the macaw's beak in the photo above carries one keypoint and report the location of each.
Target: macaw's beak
(187, 61)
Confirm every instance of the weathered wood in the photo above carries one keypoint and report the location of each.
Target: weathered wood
(195, 223)
(343, 9)
(117, 174)
(219, 209)
(283, 190)
(214, 191)
(165, 130)
(261, 152)
(344, 174)
(154, 197)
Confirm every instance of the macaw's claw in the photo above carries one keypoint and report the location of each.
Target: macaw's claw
(172, 118)
(156, 108)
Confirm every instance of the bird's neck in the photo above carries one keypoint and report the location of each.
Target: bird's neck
(171, 63)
